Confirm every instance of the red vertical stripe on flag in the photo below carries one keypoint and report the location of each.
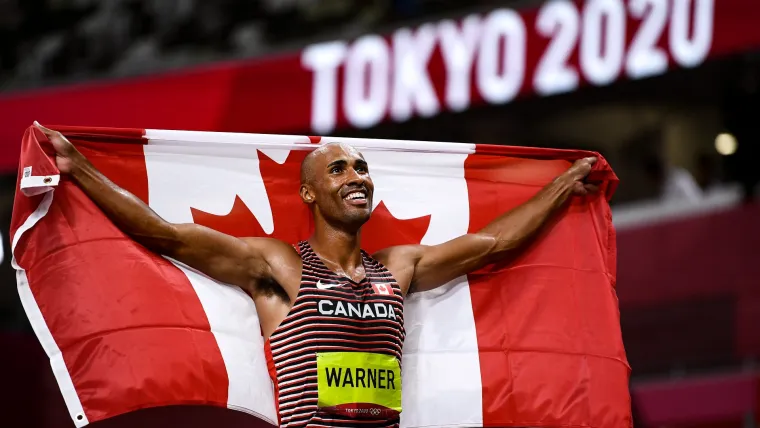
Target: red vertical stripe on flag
(553, 354)
(134, 179)
(127, 321)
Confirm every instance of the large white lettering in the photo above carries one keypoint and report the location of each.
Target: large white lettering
(323, 60)
(500, 81)
(458, 50)
(412, 89)
(365, 96)
(368, 312)
(353, 311)
(325, 307)
(356, 310)
(382, 79)
(603, 41)
(559, 20)
(691, 51)
(380, 310)
(645, 58)
(340, 309)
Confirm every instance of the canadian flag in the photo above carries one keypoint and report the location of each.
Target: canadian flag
(531, 341)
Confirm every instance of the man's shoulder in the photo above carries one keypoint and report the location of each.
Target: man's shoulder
(400, 261)
(397, 254)
(272, 246)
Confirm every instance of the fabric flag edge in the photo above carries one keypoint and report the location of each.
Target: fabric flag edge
(601, 171)
(31, 307)
(45, 184)
(34, 185)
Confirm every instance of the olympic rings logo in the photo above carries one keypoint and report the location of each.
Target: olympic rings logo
(374, 411)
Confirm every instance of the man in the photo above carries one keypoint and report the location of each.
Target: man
(331, 315)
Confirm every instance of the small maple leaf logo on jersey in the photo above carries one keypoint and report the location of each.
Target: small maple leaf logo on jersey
(382, 289)
(292, 220)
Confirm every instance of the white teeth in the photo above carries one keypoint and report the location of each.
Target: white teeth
(355, 195)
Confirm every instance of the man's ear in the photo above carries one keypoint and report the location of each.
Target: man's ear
(307, 194)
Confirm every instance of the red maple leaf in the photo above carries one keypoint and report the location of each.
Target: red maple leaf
(383, 230)
(292, 220)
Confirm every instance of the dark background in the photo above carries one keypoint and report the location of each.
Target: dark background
(687, 267)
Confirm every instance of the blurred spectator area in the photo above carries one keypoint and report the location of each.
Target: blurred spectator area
(658, 134)
(56, 41)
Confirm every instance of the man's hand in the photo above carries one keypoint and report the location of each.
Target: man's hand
(67, 157)
(576, 175)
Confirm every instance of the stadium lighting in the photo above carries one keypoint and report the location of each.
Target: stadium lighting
(726, 144)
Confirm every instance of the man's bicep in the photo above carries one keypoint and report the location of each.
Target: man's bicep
(225, 258)
(439, 264)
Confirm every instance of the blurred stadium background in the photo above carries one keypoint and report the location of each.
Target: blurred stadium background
(667, 90)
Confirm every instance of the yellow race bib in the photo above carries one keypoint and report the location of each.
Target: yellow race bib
(359, 384)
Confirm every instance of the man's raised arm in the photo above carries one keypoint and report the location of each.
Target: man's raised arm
(225, 258)
(423, 267)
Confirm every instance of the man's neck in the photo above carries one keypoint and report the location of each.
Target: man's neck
(340, 249)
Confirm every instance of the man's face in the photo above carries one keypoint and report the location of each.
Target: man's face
(341, 186)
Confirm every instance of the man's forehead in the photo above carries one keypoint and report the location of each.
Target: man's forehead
(333, 151)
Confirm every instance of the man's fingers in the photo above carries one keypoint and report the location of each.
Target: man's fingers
(582, 167)
(589, 161)
(591, 188)
(48, 132)
(43, 129)
(61, 145)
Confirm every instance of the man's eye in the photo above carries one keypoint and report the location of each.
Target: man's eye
(335, 170)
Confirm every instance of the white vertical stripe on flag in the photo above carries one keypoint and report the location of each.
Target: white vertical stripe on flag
(441, 367)
(413, 179)
(177, 181)
(232, 316)
(40, 327)
(441, 353)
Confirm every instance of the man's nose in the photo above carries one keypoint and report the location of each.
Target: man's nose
(354, 177)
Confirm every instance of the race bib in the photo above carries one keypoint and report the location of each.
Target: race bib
(359, 384)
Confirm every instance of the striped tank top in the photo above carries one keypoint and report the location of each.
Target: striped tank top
(335, 360)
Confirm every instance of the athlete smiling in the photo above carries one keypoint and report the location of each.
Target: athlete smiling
(331, 314)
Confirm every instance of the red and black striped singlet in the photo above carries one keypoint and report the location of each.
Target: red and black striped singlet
(332, 314)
